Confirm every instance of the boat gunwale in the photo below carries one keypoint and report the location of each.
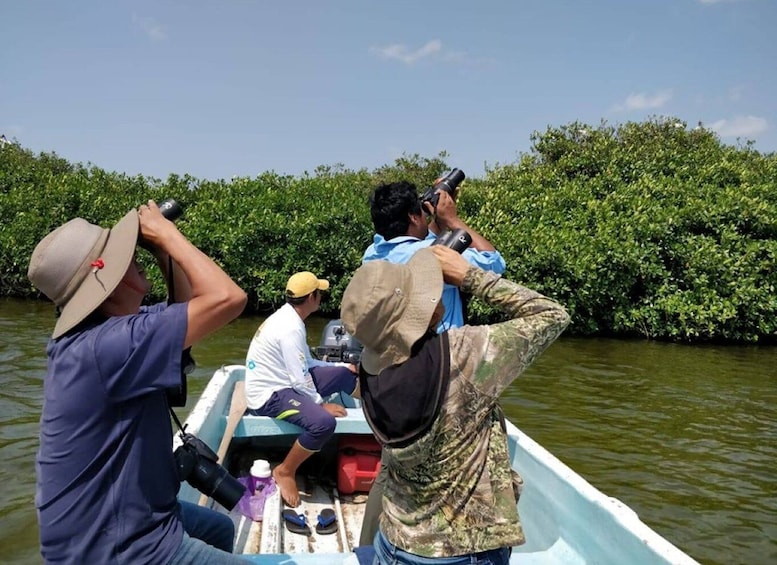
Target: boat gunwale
(603, 514)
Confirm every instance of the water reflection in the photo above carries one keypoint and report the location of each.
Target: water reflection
(686, 436)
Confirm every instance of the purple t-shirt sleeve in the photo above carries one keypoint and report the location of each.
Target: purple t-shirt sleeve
(142, 353)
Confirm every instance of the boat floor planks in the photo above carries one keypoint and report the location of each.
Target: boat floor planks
(270, 535)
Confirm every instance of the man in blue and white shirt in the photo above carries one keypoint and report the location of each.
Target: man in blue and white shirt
(402, 228)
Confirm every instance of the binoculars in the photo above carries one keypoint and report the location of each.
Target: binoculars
(170, 209)
(448, 183)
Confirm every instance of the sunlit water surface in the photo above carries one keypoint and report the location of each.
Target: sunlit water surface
(686, 436)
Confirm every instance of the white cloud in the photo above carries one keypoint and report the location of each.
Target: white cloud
(401, 52)
(641, 101)
(740, 126)
(150, 27)
(432, 49)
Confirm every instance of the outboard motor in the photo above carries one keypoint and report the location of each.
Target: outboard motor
(338, 345)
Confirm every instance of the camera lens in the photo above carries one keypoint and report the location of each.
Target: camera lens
(457, 175)
(214, 480)
(452, 180)
(197, 465)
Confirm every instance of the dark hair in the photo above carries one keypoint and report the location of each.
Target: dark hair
(390, 206)
(300, 299)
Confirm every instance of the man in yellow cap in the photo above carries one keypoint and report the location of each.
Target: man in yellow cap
(283, 381)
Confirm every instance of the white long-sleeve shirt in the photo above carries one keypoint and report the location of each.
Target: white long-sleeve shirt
(279, 357)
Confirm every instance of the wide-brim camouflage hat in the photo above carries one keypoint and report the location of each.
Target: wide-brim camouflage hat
(79, 264)
(387, 307)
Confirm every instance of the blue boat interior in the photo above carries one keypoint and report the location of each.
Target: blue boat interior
(565, 519)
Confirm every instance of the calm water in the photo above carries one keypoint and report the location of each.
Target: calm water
(686, 436)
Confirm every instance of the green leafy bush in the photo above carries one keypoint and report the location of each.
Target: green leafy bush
(645, 229)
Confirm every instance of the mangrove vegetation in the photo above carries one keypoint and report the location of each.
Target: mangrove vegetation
(652, 229)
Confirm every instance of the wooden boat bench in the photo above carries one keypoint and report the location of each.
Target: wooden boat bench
(266, 426)
(352, 423)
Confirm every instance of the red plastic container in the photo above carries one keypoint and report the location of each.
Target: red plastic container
(358, 463)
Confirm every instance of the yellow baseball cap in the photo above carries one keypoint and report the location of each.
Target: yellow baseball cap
(302, 284)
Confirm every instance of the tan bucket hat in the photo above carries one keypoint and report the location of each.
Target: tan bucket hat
(388, 307)
(79, 265)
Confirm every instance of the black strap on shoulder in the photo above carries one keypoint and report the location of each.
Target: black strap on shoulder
(177, 396)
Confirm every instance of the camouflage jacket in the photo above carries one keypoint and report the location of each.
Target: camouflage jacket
(450, 492)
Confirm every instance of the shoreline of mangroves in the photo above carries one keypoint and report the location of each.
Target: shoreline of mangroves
(648, 230)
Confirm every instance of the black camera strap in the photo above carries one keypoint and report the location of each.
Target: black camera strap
(177, 421)
(170, 280)
(171, 394)
(177, 396)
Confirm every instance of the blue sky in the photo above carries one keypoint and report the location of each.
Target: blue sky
(228, 88)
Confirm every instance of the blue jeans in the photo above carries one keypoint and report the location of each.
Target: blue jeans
(194, 552)
(386, 553)
(208, 537)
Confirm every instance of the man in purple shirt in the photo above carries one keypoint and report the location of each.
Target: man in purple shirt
(106, 478)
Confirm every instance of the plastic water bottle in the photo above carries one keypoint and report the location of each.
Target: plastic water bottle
(259, 485)
(263, 483)
(261, 475)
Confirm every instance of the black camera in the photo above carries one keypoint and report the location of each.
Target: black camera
(170, 209)
(197, 464)
(448, 183)
(458, 240)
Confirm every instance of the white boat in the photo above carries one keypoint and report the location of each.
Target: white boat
(566, 520)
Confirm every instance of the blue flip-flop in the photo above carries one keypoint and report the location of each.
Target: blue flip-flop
(327, 522)
(295, 523)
